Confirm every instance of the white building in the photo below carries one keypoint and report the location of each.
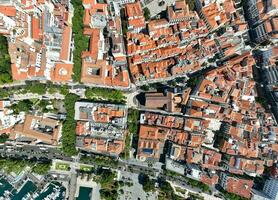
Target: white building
(270, 191)
(271, 188)
(122, 2)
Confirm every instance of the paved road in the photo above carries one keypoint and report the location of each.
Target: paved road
(45, 153)
(41, 153)
(72, 85)
(131, 99)
(72, 185)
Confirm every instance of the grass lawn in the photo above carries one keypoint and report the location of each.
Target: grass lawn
(62, 166)
(85, 168)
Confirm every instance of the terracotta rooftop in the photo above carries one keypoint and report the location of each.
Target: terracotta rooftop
(241, 187)
(38, 128)
(9, 11)
(134, 10)
(62, 72)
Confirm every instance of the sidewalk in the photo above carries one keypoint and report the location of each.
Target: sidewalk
(187, 190)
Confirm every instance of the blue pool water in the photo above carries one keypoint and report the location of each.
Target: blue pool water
(84, 193)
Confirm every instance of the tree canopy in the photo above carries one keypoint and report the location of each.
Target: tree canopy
(81, 42)
(147, 14)
(35, 88)
(133, 120)
(105, 94)
(5, 61)
(22, 106)
(69, 126)
(167, 192)
(41, 168)
(109, 185)
(148, 184)
(4, 137)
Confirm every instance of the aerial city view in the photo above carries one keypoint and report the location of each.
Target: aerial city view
(138, 99)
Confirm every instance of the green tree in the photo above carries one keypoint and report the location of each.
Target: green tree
(22, 106)
(52, 90)
(81, 42)
(5, 78)
(100, 160)
(147, 14)
(41, 168)
(35, 88)
(191, 4)
(69, 126)
(4, 137)
(262, 101)
(64, 90)
(4, 93)
(16, 166)
(126, 151)
(109, 185)
(166, 191)
(192, 82)
(105, 94)
(5, 61)
(148, 184)
(133, 120)
(43, 104)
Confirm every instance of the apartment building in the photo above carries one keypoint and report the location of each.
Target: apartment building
(40, 39)
(101, 127)
(98, 66)
(37, 130)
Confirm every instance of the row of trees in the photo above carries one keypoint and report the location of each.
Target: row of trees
(5, 61)
(35, 88)
(132, 125)
(69, 126)
(99, 160)
(43, 88)
(16, 166)
(125, 153)
(39, 105)
(105, 94)
(133, 120)
(80, 41)
(132, 135)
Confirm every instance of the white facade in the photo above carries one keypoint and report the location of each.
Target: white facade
(122, 2)
(258, 195)
(271, 188)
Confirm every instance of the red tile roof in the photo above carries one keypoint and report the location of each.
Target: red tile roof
(62, 72)
(241, 187)
(9, 11)
(66, 41)
(134, 10)
(36, 31)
